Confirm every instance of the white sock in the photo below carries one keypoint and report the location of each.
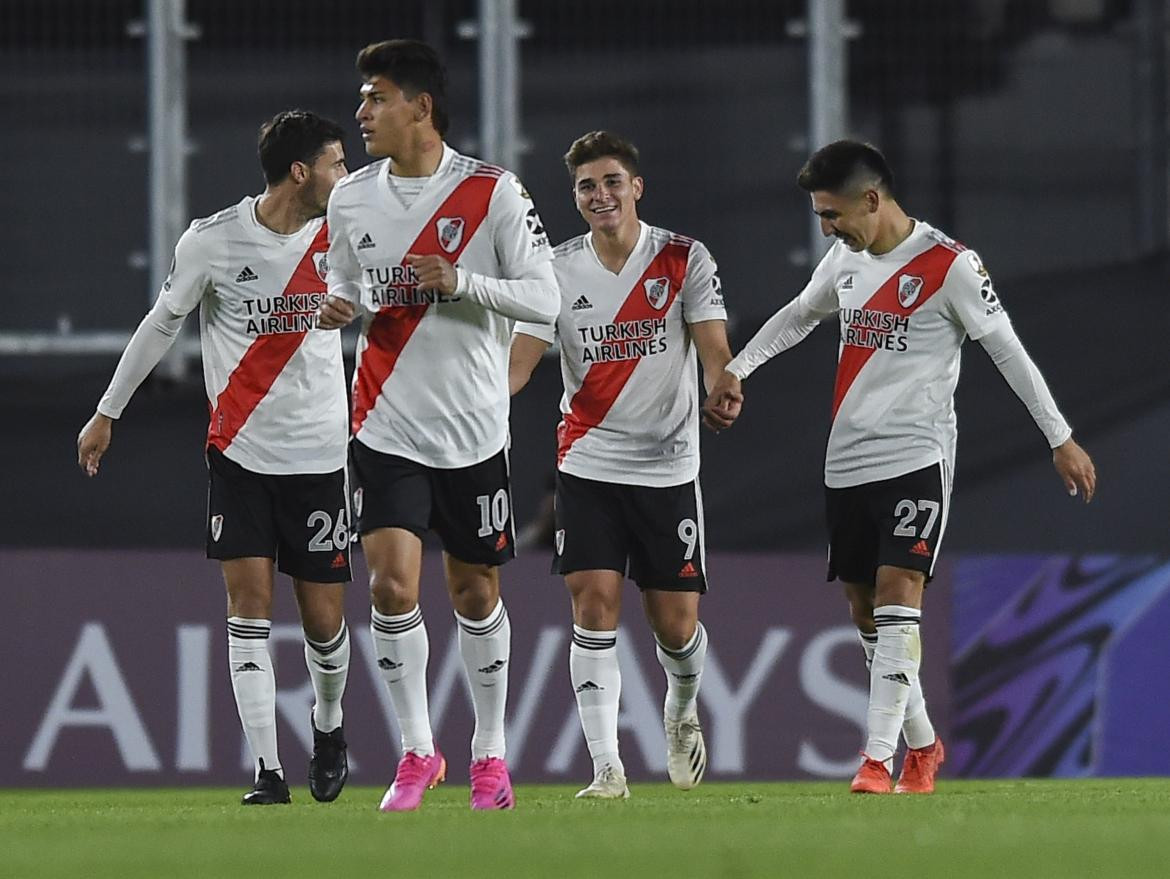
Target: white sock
(684, 671)
(917, 729)
(892, 675)
(402, 648)
(254, 685)
(328, 669)
(485, 646)
(597, 682)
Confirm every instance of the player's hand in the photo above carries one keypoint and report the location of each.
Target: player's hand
(724, 402)
(1076, 469)
(93, 441)
(335, 313)
(434, 273)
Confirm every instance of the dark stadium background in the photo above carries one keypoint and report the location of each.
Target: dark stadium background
(1012, 127)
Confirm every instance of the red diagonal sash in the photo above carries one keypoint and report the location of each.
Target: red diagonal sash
(604, 381)
(393, 325)
(253, 376)
(932, 266)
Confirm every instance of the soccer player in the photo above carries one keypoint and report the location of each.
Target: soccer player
(442, 253)
(907, 296)
(276, 446)
(637, 302)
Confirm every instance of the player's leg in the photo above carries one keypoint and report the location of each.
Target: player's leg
(249, 622)
(392, 507)
(917, 729)
(596, 676)
(241, 535)
(591, 548)
(910, 512)
(314, 549)
(667, 560)
(327, 652)
(473, 517)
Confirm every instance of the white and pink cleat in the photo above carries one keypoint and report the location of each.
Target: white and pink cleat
(415, 776)
(491, 786)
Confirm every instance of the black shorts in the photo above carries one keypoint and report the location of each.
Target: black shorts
(897, 522)
(300, 521)
(470, 508)
(657, 531)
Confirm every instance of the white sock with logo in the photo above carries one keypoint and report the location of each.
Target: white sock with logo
(328, 670)
(892, 674)
(402, 648)
(254, 685)
(486, 646)
(597, 683)
(917, 729)
(684, 671)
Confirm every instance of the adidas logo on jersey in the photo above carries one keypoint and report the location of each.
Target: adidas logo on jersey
(920, 548)
(582, 303)
(365, 242)
(589, 686)
(898, 678)
(847, 284)
(339, 561)
(246, 274)
(688, 570)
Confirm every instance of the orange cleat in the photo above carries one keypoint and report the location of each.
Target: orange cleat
(872, 778)
(919, 769)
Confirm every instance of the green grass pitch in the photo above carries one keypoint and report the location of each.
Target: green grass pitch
(992, 829)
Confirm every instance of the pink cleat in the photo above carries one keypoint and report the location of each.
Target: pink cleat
(491, 786)
(416, 774)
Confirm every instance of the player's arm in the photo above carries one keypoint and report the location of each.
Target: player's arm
(181, 292)
(529, 343)
(343, 277)
(725, 395)
(787, 327)
(975, 306)
(528, 291)
(1072, 463)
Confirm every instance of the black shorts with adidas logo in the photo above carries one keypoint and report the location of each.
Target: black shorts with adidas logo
(301, 521)
(470, 508)
(898, 522)
(657, 533)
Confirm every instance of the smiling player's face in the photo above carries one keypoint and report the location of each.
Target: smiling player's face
(606, 194)
(851, 218)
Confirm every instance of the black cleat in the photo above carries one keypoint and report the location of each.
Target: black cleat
(328, 768)
(268, 790)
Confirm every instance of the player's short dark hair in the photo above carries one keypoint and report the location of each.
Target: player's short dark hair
(600, 145)
(294, 136)
(414, 67)
(843, 165)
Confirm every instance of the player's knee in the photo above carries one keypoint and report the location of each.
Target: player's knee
(249, 603)
(676, 632)
(474, 591)
(391, 594)
(862, 616)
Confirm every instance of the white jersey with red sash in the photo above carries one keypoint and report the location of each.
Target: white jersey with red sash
(431, 382)
(904, 316)
(275, 383)
(630, 408)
